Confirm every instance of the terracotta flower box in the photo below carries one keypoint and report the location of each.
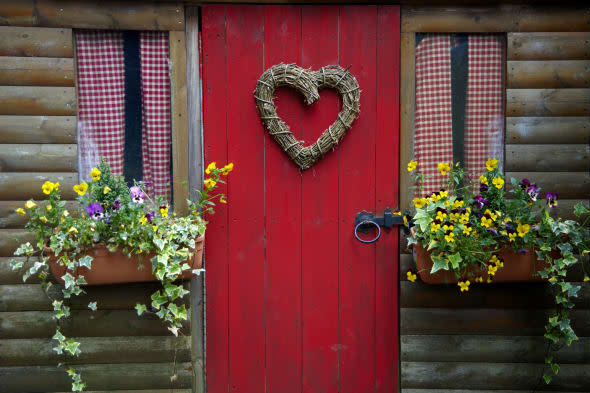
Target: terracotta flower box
(517, 268)
(116, 268)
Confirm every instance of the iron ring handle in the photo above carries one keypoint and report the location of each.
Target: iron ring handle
(356, 228)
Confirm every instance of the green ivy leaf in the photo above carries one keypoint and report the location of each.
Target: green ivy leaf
(85, 261)
(92, 306)
(69, 280)
(439, 264)
(580, 209)
(158, 299)
(140, 308)
(555, 368)
(547, 378)
(15, 264)
(455, 259)
(72, 347)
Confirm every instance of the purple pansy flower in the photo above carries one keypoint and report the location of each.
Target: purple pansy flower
(149, 216)
(551, 199)
(480, 201)
(495, 232)
(483, 187)
(524, 184)
(117, 204)
(95, 211)
(137, 194)
(533, 192)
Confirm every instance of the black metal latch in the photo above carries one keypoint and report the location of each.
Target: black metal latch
(364, 221)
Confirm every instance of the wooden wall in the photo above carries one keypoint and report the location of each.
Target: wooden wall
(492, 337)
(38, 143)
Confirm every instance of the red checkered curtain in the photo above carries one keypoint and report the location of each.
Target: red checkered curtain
(484, 111)
(433, 133)
(101, 99)
(156, 135)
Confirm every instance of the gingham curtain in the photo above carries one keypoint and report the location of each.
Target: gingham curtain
(101, 103)
(484, 124)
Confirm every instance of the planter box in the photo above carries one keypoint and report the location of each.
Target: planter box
(517, 268)
(116, 268)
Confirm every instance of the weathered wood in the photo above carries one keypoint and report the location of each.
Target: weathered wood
(548, 74)
(21, 186)
(547, 102)
(36, 71)
(31, 297)
(35, 41)
(403, 390)
(37, 129)
(569, 185)
(37, 100)
(502, 322)
(496, 349)
(555, 157)
(547, 130)
(407, 104)
(36, 158)
(39, 352)
(548, 46)
(9, 219)
(129, 15)
(100, 323)
(10, 239)
(9, 276)
(456, 375)
(96, 376)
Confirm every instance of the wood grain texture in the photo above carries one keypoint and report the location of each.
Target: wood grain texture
(36, 158)
(35, 41)
(549, 46)
(128, 15)
(39, 351)
(21, 186)
(492, 349)
(547, 102)
(179, 118)
(96, 376)
(37, 129)
(407, 107)
(36, 71)
(9, 276)
(569, 185)
(548, 74)
(539, 158)
(10, 239)
(83, 323)
(9, 218)
(456, 375)
(37, 100)
(547, 130)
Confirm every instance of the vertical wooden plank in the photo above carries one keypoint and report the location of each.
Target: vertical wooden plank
(319, 47)
(407, 102)
(215, 91)
(356, 193)
(179, 120)
(247, 279)
(195, 182)
(387, 189)
(282, 44)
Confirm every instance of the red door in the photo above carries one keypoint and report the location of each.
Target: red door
(294, 302)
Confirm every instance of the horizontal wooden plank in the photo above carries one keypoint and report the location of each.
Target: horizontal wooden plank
(547, 102)
(501, 322)
(457, 375)
(36, 71)
(38, 157)
(35, 41)
(127, 15)
(37, 100)
(39, 352)
(548, 74)
(498, 295)
(9, 219)
(162, 391)
(520, 158)
(100, 323)
(492, 349)
(23, 186)
(31, 297)
(547, 130)
(97, 376)
(569, 185)
(9, 276)
(549, 46)
(461, 391)
(37, 129)
(10, 239)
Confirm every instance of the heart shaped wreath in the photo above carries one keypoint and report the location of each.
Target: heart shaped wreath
(307, 83)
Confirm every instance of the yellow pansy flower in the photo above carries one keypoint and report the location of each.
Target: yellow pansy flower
(434, 227)
(95, 174)
(457, 204)
(164, 211)
(228, 168)
(586, 278)
(443, 168)
(81, 188)
(411, 276)
(20, 211)
(491, 164)
(486, 222)
(498, 182)
(209, 183)
(143, 220)
(467, 230)
(450, 237)
(155, 228)
(48, 187)
(483, 180)
(412, 165)
(523, 229)
(420, 202)
(66, 213)
(464, 285)
(43, 219)
(106, 190)
(73, 230)
(48, 208)
(30, 204)
(210, 168)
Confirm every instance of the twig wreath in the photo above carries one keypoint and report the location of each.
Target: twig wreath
(307, 83)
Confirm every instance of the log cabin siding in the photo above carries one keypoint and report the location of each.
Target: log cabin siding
(38, 143)
(491, 339)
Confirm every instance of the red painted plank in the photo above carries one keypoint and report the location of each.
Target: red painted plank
(320, 214)
(244, 27)
(387, 191)
(282, 34)
(356, 193)
(216, 241)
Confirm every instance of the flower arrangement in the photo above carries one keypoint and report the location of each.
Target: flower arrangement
(121, 218)
(466, 226)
